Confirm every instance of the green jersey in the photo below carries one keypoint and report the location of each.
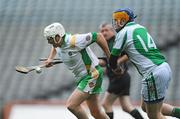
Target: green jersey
(139, 46)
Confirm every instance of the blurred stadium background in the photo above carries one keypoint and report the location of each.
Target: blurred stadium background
(21, 42)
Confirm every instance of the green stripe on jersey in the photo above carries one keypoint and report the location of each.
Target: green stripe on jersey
(86, 59)
(115, 51)
(94, 36)
(145, 45)
(110, 44)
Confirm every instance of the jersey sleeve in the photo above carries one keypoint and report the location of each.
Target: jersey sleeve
(83, 40)
(119, 43)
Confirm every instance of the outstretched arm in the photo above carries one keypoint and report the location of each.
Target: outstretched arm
(103, 44)
(52, 54)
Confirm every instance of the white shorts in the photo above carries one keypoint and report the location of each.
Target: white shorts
(154, 86)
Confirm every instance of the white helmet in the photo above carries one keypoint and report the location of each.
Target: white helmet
(54, 29)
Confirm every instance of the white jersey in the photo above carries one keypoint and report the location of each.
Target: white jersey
(139, 46)
(77, 55)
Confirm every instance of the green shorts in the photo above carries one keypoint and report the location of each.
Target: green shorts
(92, 83)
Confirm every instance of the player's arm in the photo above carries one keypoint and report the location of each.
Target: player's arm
(113, 61)
(52, 53)
(103, 44)
(50, 58)
(122, 59)
(117, 49)
(117, 69)
(102, 62)
(84, 40)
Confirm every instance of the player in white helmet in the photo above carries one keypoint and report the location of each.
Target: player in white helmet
(135, 40)
(51, 31)
(76, 54)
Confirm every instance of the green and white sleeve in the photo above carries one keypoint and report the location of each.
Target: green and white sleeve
(84, 40)
(119, 44)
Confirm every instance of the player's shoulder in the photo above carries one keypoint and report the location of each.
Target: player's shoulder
(69, 36)
(81, 34)
(131, 27)
(91, 36)
(134, 26)
(121, 33)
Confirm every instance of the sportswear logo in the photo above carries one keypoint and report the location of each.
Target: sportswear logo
(91, 84)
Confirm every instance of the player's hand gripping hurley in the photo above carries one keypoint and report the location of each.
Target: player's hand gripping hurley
(27, 69)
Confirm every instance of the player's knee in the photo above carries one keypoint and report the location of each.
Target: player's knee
(95, 113)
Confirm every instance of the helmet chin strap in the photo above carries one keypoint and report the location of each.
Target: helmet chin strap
(117, 30)
(61, 42)
(121, 26)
